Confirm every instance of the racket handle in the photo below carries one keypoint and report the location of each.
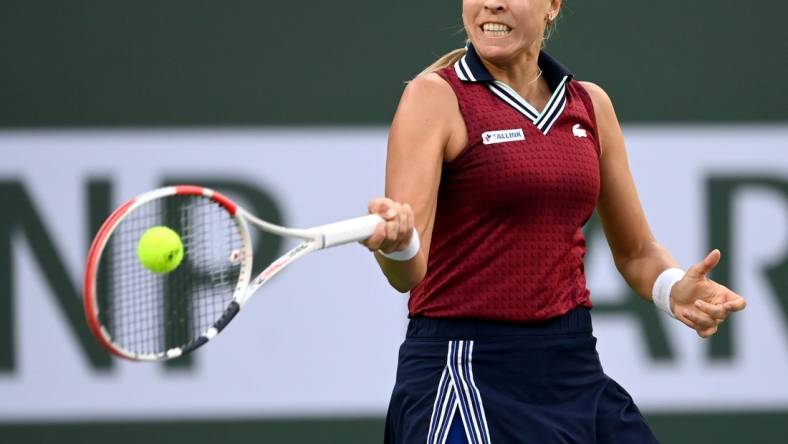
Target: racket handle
(350, 230)
(358, 229)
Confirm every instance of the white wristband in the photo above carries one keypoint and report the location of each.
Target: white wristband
(660, 294)
(408, 253)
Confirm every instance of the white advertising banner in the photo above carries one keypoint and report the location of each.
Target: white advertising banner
(322, 337)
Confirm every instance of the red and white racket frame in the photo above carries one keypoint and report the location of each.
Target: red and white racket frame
(325, 236)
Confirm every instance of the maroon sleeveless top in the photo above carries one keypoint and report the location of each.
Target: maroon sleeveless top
(507, 241)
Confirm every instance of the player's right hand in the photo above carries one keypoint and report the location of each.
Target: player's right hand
(394, 234)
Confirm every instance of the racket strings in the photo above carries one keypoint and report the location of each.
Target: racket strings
(147, 313)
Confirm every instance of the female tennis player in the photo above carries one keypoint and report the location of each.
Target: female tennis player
(498, 157)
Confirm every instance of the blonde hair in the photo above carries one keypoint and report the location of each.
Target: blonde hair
(448, 59)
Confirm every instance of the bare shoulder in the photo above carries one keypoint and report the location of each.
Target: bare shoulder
(610, 136)
(429, 102)
(429, 90)
(599, 97)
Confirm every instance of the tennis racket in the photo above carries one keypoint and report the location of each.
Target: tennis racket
(141, 315)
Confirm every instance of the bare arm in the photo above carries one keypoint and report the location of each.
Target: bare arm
(637, 254)
(697, 301)
(425, 124)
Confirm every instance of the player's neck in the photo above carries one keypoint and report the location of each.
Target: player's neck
(522, 72)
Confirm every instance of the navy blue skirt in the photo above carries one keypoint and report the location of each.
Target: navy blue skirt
(478, 382)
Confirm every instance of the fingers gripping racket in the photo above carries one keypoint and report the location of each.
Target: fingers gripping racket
(144, 315)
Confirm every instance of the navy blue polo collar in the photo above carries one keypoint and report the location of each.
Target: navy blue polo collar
(471, 69)
(474, 70)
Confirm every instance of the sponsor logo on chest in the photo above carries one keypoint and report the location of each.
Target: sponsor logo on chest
(510, 135)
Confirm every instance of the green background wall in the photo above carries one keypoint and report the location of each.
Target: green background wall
(197, 62)
(765, 428)
(86, 63)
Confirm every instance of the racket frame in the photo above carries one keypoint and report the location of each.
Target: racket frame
(325, 236)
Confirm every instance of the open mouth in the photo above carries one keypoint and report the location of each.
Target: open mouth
(496, 29)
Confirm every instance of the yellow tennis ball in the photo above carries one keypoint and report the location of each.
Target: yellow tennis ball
(160, 249)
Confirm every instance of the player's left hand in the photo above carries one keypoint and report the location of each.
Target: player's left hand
(701, 303)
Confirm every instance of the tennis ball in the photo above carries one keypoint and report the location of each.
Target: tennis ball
(160, 249)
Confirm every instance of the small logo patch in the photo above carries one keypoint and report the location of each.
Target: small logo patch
(578, 131)
(502, 136)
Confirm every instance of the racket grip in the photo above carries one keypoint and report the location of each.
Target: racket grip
(358, 229)
(350, 230)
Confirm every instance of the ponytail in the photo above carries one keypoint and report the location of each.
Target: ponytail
(445, 60)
